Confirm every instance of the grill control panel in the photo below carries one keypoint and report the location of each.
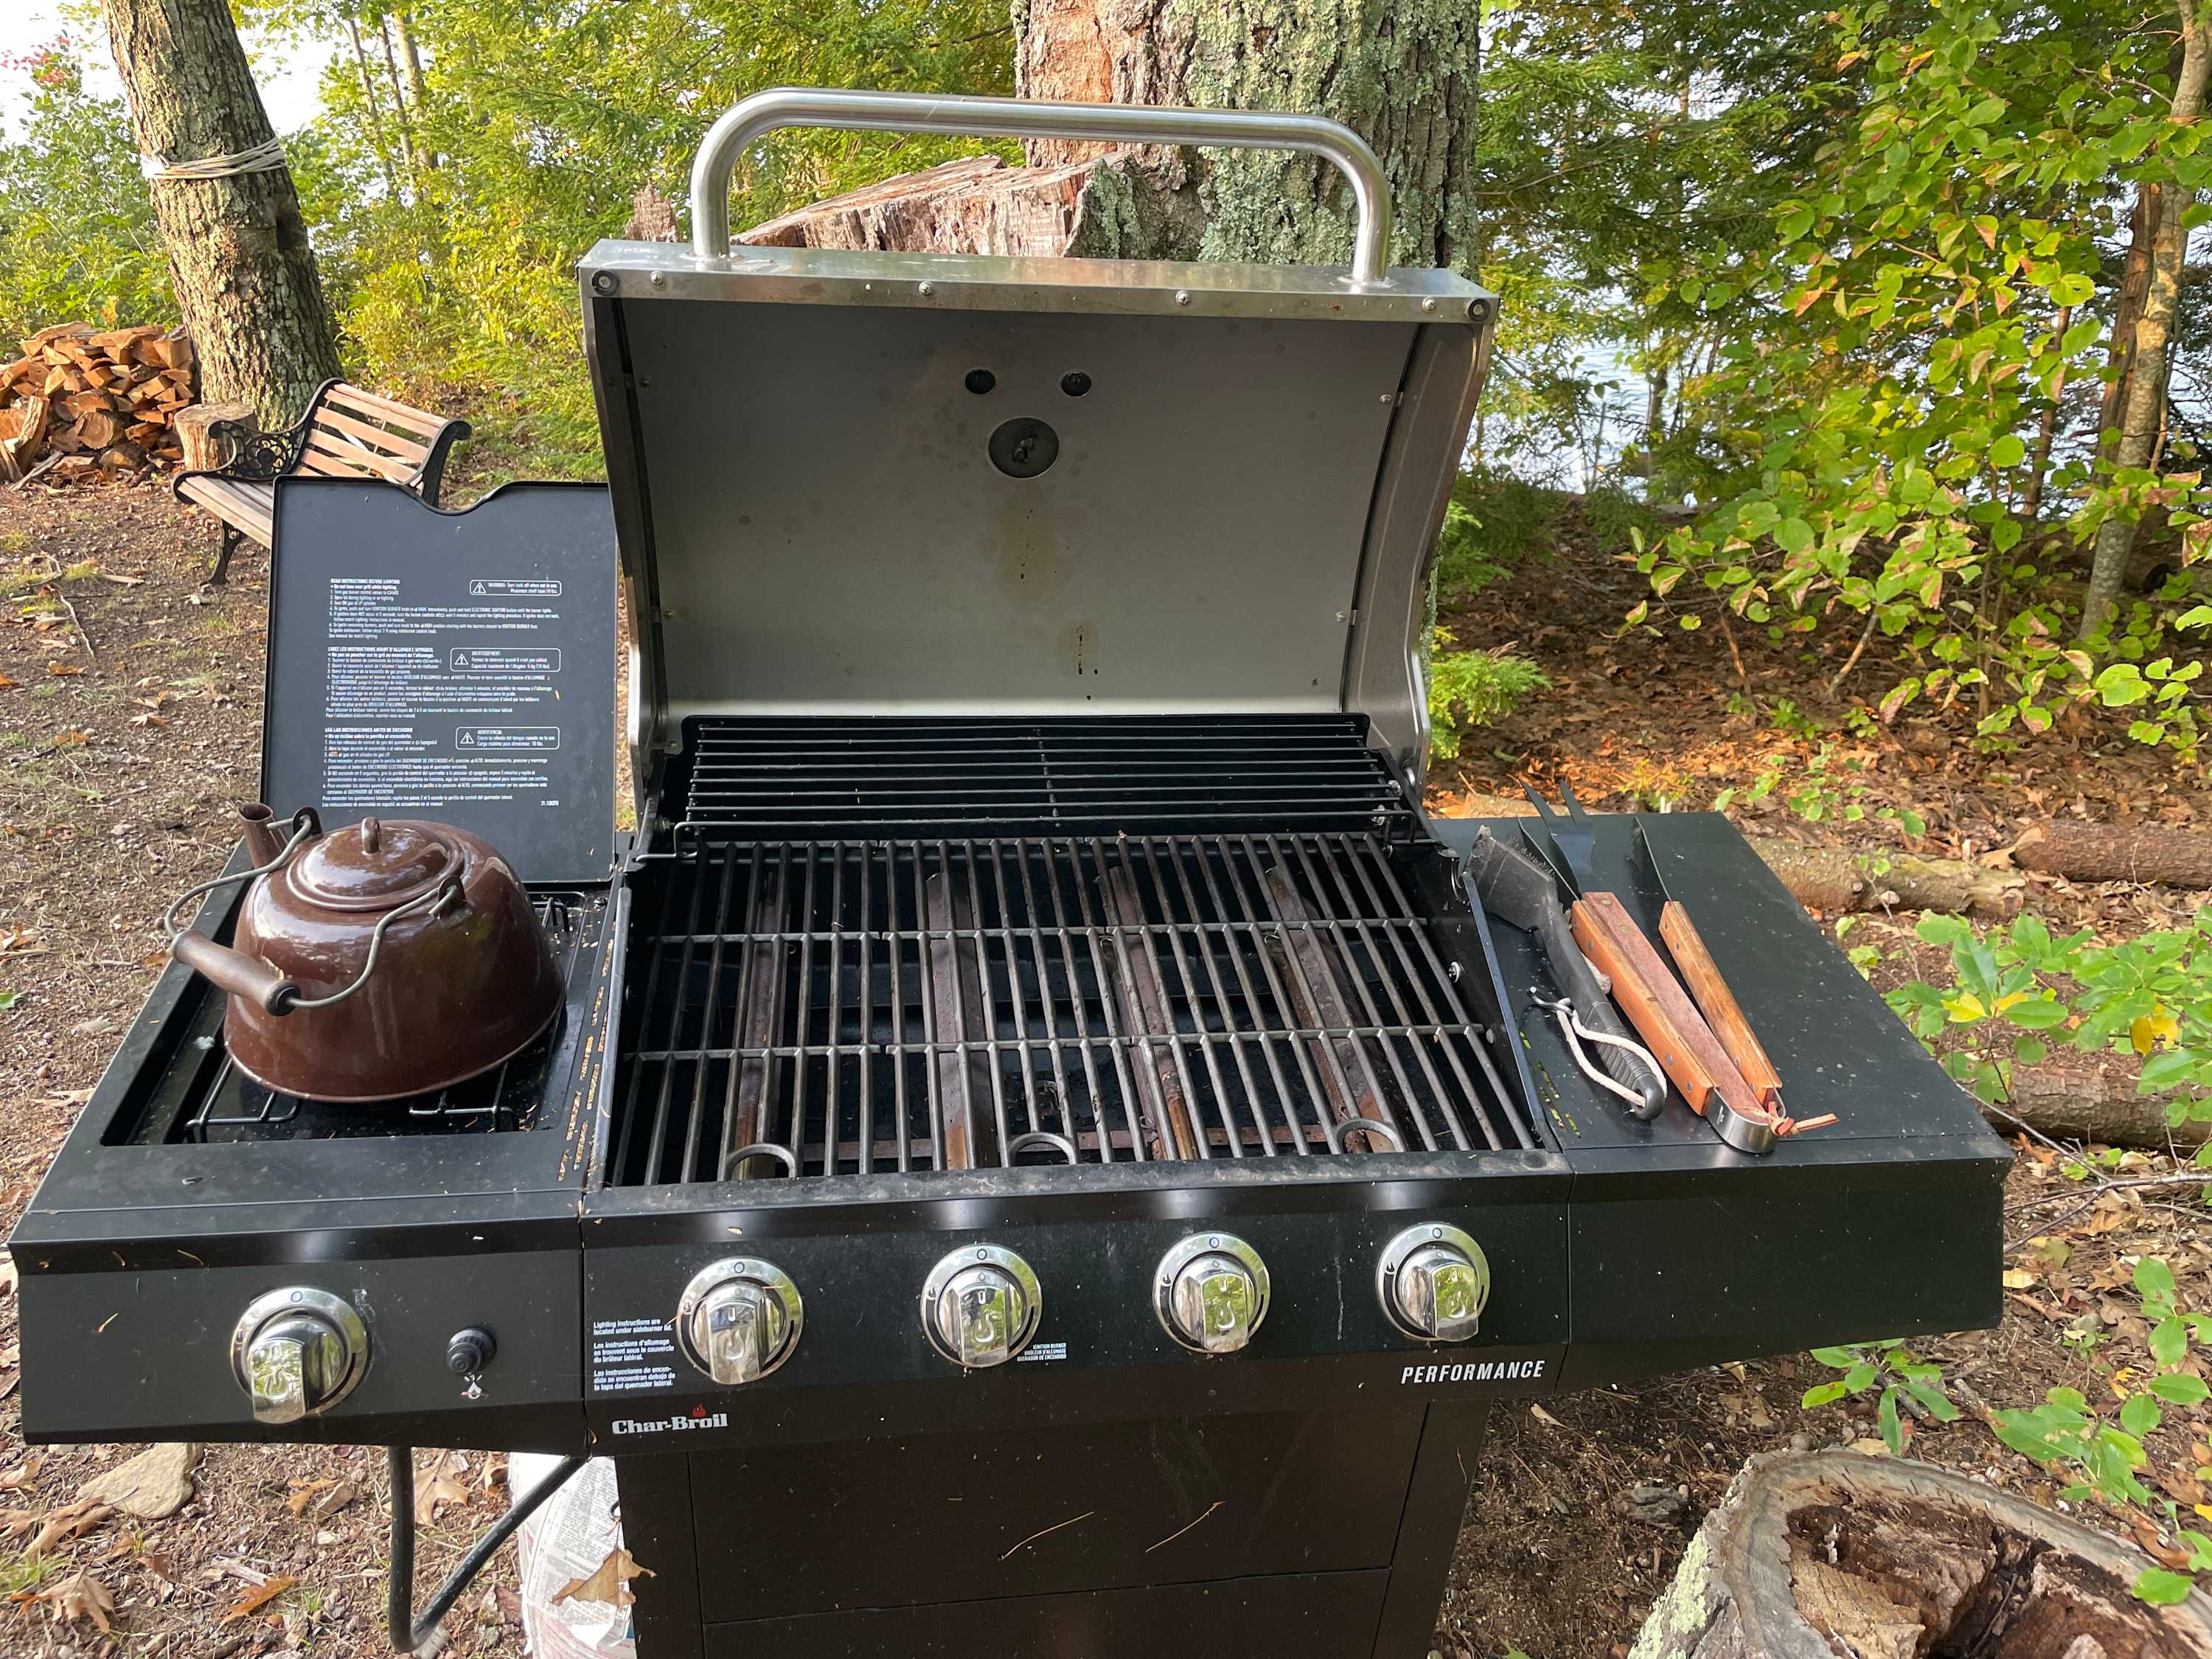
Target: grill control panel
(1032, 1314)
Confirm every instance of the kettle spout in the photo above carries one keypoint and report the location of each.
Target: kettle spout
(262, 844)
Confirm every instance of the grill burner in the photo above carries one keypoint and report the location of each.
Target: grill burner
(839, 1007)
(204, 1096)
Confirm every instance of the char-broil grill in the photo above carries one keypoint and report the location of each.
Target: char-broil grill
(1044, 1145)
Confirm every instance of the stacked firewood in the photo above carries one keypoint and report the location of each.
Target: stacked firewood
(92, 402)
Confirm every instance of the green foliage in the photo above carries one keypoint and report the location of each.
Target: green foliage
(2101, 1458)
(1493, 521)
(455, 283)
(1890, 1371)
(1928, 295)
(1474, 688)
(77, 241)
(2016, 990)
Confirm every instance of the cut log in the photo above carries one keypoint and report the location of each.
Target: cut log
(1829, 879)
(2117, 852)
(206, 450)
(977, 203)
(2093, 1098)
(1812, 1556)
(22, 437)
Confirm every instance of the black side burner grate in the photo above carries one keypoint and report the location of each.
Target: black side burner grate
(773, 779)
(204, 1098)
(821, 1007)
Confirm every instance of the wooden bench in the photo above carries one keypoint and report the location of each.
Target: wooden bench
(347, 433)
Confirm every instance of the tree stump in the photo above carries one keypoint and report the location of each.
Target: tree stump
(202, 437)
(1834, 1552)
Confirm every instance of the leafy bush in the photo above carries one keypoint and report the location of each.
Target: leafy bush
(1474, 688)
(1493, 521)
(2015, 990)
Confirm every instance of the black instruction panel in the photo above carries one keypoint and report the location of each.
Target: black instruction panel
(456, 666)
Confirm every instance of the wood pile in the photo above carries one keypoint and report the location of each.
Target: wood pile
(96, 402)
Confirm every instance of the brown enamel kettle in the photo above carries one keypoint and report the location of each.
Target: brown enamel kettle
(389, 958)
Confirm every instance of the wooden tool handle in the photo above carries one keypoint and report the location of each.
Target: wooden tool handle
(1638, 997)
(1669, 1021)
(1718, 1004)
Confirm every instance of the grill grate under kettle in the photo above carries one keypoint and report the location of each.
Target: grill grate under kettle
(816, 1007)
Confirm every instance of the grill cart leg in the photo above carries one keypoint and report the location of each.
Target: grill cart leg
(1436, 1504)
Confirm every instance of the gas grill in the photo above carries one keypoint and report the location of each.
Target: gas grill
(1042, 1139)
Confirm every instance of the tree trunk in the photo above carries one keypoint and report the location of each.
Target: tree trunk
(1811, 1556)
(411, 65)
(403, 117)
(1399, 72)
(2117, 852)
(2143, 411)
(2127, 306)
(239, 258)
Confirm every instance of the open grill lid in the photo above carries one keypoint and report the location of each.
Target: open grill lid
(874, 484)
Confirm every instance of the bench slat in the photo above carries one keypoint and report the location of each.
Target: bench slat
(384, 409)
(251, 506)
(338, 456)
(404, 450)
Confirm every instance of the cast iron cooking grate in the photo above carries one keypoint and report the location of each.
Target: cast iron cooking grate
(795, 777)
(807, 1008)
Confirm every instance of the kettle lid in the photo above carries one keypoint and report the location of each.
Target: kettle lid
(374, 866)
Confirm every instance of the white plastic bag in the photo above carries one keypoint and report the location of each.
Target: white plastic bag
(568, 1538)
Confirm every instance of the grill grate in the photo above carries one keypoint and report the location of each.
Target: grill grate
(922, 777)
(819, 1007)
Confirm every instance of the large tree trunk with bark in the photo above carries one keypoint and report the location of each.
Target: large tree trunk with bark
(1400, 72)
(2142, 411)
(1809, 1557)
(239, 258)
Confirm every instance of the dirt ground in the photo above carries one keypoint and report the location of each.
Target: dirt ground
(129, 706)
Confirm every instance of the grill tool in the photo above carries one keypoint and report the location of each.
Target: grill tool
(1515, 887)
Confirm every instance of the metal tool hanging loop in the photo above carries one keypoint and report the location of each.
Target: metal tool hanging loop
(1015, 118)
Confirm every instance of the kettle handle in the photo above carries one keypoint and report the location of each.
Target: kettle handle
(233, 970)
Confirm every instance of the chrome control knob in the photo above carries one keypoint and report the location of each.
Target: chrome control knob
(1211, 1293)
(298, 1351)
(739, 1319)
(1434, 1281)
(980, 1306)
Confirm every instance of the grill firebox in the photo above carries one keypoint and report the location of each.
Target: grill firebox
(852, 1005)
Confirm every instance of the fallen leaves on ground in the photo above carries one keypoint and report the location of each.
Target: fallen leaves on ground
(440, 1485)
(257, 1598)
(609, 1583)
(80, 1595)
(54, 1526)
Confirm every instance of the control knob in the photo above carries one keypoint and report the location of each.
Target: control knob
(1211, 1293)
(1434, 1281)
(298, 1351)
(980, 1306)
(739, 1319)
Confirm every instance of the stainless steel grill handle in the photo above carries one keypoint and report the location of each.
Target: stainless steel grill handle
(1015, 118)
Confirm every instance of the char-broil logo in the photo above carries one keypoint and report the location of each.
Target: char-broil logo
(698, 1417)
(1474, 1370)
